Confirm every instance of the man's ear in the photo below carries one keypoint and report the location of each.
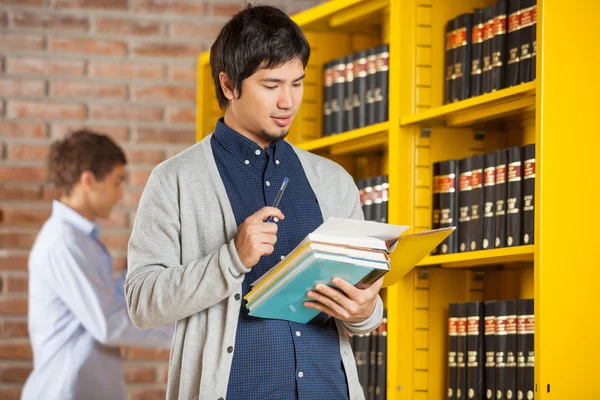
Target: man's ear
(227, 86)
(87, 180)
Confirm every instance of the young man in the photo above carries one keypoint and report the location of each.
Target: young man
(200, 237)
(77, 313)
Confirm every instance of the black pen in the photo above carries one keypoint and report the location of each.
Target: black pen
(279, 196)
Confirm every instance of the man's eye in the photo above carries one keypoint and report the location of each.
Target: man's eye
(270, 87)
(297, 84)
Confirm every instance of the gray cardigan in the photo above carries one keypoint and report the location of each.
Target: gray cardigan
(183, 266)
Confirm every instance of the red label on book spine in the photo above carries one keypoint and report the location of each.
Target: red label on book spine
(476, 181)
(490, 176)
(511, 324)
(529, 324)
(477, 34)
(447, 183)
(460, 37)
(464, 181)
(452, 326)
(500, 174)
(526, 17)
(514, 171)
(490, 325)
(462, 326)
(529, 168)
(383, 61)
(473, 326)
(328, 76)
(360, 68)
(500, 25)
(339, 73)
(534, 14)
(488, 30)
(514, 22)
(500, 325)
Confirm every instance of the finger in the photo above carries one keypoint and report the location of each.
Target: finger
(351, 291)
(320, 307)
(269, 227)
(264, 213)
(374, 287)
(336, 295)
(266, 249)
(267, 238)
(330, 303)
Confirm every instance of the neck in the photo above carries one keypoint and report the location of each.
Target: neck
(257, 138)
(79, 206)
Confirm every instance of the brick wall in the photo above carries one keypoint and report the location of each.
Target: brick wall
(122, 67)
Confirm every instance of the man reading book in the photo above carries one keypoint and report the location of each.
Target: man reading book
(201, 235)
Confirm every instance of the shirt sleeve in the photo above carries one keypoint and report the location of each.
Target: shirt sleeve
(94, 300)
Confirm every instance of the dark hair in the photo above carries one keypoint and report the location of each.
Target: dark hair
(81, 151)
(256, 37)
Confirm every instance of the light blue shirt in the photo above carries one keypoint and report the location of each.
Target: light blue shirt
(78, 314)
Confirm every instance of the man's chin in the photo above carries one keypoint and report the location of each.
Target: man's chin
(274, 136)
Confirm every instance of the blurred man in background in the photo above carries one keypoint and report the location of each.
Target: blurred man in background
(77, 312)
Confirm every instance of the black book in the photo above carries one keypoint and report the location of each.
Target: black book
(461, 353)
(526, 39)
(371, 72)
(499, 46)
(337, 95)
(464, 204)
(533, 41)
(477, 199)
(327, 94)
(452, 350)
(512, 43)
(449, 62)
(489, 308)
(501, 349)
(435, 209)
(359, 102)
(377, 198)
(525, 352)
(476, 52)
(528, 193)
(511, 349)
(448, 190)
(385, 186)
(368, 199)
(489, 206)
(381, 386)
(372, 367)
(475, 336)
(486, 49)
(501, 188)
(348, 109)
(461, 89)
(514, 197)
(381, 83)
(362, 360)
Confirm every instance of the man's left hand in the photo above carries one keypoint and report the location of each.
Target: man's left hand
(345, 302)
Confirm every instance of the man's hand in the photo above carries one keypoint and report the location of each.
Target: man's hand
(349, 303)
(257, 238)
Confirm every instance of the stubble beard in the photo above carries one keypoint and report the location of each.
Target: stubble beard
(275, 136)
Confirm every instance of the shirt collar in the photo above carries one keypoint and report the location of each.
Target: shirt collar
(66, 214)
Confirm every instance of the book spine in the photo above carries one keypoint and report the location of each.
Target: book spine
(477, 199)
(448, 188)
(489, 212)
(370, 97)
(385, 189)
(501, 349)
(452, 350)
(499, 46)
(337, 100)
(525, 39)
(489, 308)
(500, 228)
(476, 52)
(462, 58)
(512, 43)
(533, 41)
(486, 49)
(461, 354)
(362, 361)
(372, 366)
(380, 388)
(475, 335)
(514, 197)
(525, 352)
(359, 88)
(327, 94)
(368, 200)
(449, 62)
(348, 109)
(381, 83)
(511, 349)
(464, 204)
(528, 193)
(378, 198)
(435, 214)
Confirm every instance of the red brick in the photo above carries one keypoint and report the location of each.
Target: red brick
(120, 263)
(100, 4)
(126, 70)
(117, 133)
(126, 112)
(183, 73)
(20, 351)
(22, 129)
(87, 89)
(157, 135)
(3, 20)
(165, 93)
(29, 152)
(115, 241)
(224, 9)
(14, 373)
(197, 30)
(45, 21)
(164, 375)
(18, 173)
(13, 262)
(187, 8)
(10, 393)
(121, 26)
(17, 240)
(88, 46)
(14, 87)
(148, 394)
(168, 50)
(142, 353)
(13, 216)
(15, 284)
(118, 219)
(26, 3)
(39, 109)
(139, 374)
(145, 156)
(139, 177)
(50, 193)
(17, 42)
(40, 66)
(181, 114)
(131, 198)
(13, 329)
(13, 305)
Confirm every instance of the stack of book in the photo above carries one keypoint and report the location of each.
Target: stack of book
(374, 197)
(353, 250)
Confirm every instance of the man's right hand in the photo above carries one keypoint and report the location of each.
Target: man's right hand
(256, 238)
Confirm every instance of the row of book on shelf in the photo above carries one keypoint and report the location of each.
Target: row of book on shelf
(486, 51)
(370, 354)
(374, 197)
(356, 90)
(491, 350)
(491, 203)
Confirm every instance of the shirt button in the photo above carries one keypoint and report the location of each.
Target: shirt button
(237, 296)
(277, 162)
(298, 333)
(268, 183)
(300, 374)
(246, 162)
(282, 257)
(257, 152)
(230, 349)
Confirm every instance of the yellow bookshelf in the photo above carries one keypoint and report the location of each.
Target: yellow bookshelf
(557, 112)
